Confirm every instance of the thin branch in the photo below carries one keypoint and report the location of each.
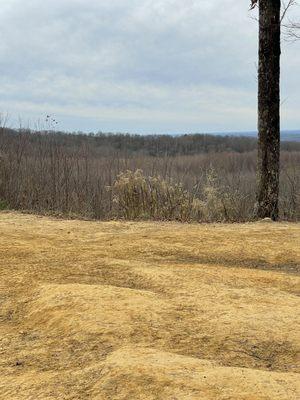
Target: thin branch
(293, 30)
(286, 7)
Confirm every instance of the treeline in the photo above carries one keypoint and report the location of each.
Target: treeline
(153, 145)
(103, 176)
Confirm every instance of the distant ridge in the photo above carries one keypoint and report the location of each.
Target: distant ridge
(286, 135)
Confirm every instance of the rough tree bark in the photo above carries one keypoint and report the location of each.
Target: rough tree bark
(268, 109)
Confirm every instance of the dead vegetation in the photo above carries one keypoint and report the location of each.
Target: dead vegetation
(200, 178)
(123, 310)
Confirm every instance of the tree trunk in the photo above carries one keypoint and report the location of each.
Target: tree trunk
(268, 109)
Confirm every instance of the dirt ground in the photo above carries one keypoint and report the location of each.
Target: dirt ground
(123, 310)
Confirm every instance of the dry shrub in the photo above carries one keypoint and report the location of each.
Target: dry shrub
(136, 196)
(212, 204)
(224, 201)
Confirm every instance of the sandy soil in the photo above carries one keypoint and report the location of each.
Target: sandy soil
(114, 310)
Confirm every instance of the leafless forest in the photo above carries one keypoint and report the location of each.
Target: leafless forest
(104, 176)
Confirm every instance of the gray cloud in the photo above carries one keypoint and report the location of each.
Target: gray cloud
(142, 66)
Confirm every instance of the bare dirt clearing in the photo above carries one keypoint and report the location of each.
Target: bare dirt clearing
(121, 310)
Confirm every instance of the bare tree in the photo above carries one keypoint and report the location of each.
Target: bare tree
(268, 108)
(272, 14)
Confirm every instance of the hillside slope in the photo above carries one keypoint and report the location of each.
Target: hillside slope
(121, 310)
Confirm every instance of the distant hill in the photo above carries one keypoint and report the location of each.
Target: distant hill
(152, 145)
(286, 135)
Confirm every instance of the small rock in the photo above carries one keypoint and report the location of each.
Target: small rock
(267, 220)
(19, 363)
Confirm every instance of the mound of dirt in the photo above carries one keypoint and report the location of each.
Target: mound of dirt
(139, 373)
(148, 310)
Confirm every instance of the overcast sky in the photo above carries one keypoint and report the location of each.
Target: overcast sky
(144, 66)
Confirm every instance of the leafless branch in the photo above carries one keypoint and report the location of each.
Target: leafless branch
(253, 4)
(293, 31)
(286, 6)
